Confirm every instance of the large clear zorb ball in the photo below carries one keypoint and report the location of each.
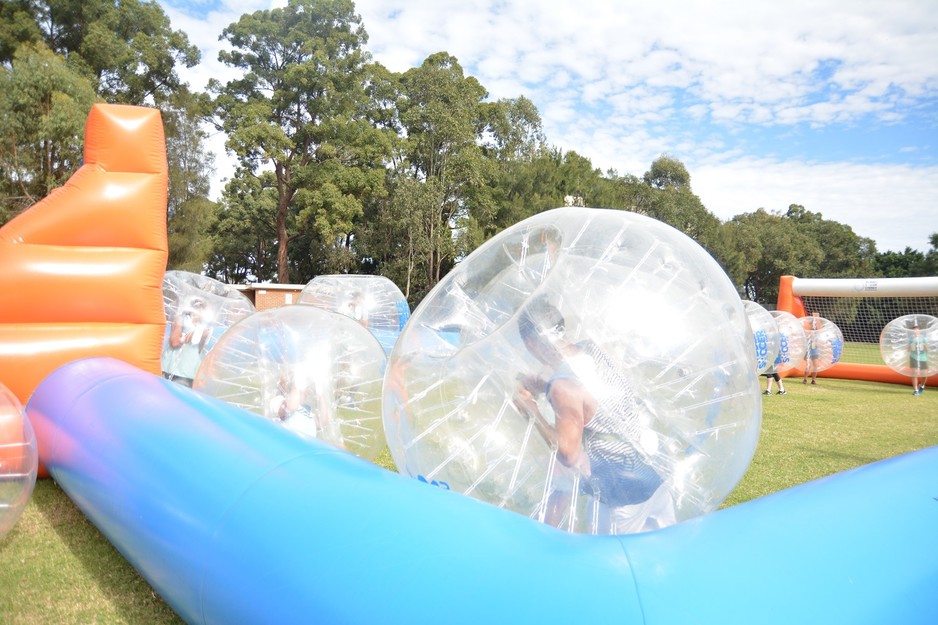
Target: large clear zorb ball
(19, 460)
(587, 368)
(824, 343)
(316, 372)
(198, 312)
(909, 345)
(791, 342)
(765, 335)
(373, 301)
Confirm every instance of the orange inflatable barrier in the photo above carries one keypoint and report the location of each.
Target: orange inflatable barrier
(81, 271)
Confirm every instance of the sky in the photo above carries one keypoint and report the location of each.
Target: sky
(830, 104)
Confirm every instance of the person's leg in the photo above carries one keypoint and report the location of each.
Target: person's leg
(654, 513)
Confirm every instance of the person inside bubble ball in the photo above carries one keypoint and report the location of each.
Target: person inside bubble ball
(188, 336)
(294, 406)
(918, 358)
(355, 308)
(596, 429)
(813, 352)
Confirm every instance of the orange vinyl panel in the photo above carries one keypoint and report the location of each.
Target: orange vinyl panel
(81, 271)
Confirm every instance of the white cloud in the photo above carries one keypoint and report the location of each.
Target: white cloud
(623, 82)
(891, 204)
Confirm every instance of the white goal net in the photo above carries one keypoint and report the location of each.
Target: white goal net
(862, 308)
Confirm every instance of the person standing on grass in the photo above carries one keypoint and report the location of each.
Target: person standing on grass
(918, 358)
(769, 377)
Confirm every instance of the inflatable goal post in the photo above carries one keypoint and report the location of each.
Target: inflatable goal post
(861, 308)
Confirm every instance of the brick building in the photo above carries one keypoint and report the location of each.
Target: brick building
(267, 295)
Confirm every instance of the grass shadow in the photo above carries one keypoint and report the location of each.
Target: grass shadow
(836, 458)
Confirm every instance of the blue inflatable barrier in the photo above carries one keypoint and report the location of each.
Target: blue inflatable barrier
(233, 519)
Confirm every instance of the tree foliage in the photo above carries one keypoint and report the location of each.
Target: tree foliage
(126, 49)
(764, 247)
(761, 247)
(43, 107)
(908, 263)
(299, 109)
(667, 173)
(844, 254)
(244, 231)
(442, 115)
(190, 214)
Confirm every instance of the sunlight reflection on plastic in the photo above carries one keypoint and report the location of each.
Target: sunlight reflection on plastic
(909, 345)
(610, 311)
(764, 334)
(198, 312)
(316, 372)
(19, 460)
(791, 342)
(824, 343)
(373, 301)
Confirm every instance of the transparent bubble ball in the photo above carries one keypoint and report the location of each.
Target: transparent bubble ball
(791, 342)
(373, 301)
(625, 313)
(909, 345)
(316, 372)
(199, 310)
(765, 336)
(824, 343)
(19, 460)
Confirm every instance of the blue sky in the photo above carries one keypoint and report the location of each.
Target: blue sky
(831, 104)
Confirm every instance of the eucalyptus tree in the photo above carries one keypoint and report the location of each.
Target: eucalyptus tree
(43, 107)
(761, 247)
(395, 240)
(514, 142)
(243, 231)
(462, 169)
(300, 109)
(128, 49)
(669, 197)
(442, 116)
(909, 262)
(845, 254)
(666, 172)
(190, 213)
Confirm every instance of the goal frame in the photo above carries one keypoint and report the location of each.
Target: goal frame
(791, 289)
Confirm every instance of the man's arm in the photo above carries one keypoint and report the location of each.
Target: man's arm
(526, 402)
(175, 334)
(571, 403)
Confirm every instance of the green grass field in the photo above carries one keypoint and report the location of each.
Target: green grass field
(56, 568)
(862, 353)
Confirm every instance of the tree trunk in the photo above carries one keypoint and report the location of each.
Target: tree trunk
(283, 274)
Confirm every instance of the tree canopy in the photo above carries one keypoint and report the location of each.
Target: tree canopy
(300, 109)
(126, 49)
(43, 107)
